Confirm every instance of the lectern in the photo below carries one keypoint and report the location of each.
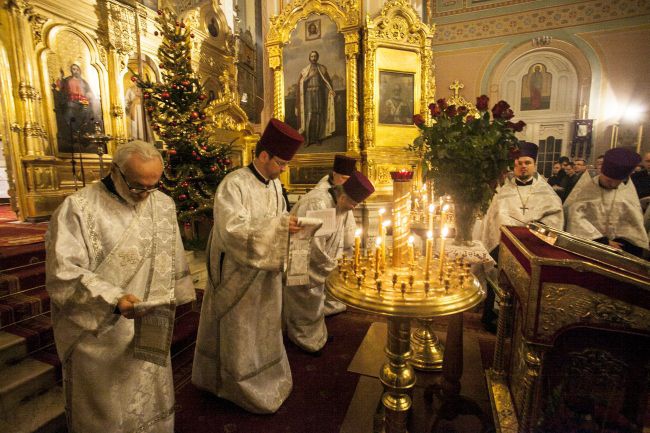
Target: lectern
(573, 339)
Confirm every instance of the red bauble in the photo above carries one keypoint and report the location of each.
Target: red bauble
(160, 12)
(204, 147)
(200, 128)
(155, 33)
(202, 97)
(161, 66)
(203, 116)
(172, 151)
(150, 108)
(191, 35)
(213, 168)
(182, 197)
(165, 95)
(194, 115)
(174, 86)
(185, 83)
(134, 78)
(193, 153)
(198, 158)
(226, 161)
(146, 96)
(184, 184)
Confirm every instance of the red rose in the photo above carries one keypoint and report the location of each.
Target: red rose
(513, 153)
(482, 103)
(517, 127)
(435, 110)
(469, 119)
(418, 120)
(442, 102)
(462, 110)
(507, 114)
(499, 108)
(451, 111)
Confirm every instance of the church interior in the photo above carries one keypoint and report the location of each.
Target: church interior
(569, 351)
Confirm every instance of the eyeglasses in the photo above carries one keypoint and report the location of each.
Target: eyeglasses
(134, 189)
(282, 164)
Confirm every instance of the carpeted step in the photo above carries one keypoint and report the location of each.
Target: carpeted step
(44, 413)
(23, 255)
(36, 331)
(12, 349)
(21, 279)
(24, 380)
(185, 330)
(24, 305)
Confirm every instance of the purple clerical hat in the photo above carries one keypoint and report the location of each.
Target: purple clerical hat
(526, 148)
(344, 165)
(281, 140)
(358, 187)
(619, 163)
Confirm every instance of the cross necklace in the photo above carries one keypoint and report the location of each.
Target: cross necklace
(523, 207)
(607, 212)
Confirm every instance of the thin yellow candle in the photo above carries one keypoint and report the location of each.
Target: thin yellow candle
(443, 235)
(428, 252)
(357, 248)
(432, 212)
(443, 216)
(410, 241)
(377, 254)
(383, 242)
(382, 211)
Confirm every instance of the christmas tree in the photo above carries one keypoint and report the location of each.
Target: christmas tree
(194, 165)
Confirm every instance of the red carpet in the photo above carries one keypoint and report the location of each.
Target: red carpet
(6, 214)
(322, 390)
(14, 234)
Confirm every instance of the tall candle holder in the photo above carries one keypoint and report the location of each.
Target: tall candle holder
(402, 292)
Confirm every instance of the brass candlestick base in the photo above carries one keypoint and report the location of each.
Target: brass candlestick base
(427, 350)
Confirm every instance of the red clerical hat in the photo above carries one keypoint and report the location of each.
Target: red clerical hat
(344, 165)
(619, 163)
(358, 187)
(281, 140)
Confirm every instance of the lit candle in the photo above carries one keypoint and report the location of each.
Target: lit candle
(432, 212)
(428, 252)
(357, 248)
(411, 252)
(382, 211)
(377, 253)
(443, 235)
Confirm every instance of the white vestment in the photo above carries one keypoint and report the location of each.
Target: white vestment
(330, 115)
(611, 213)
(239, 353)
(585, 179)
(333, 306)
(100, 248)
(304, 305)
(541, 204)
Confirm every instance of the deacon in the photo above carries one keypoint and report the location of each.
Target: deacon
(239, 351)
(343, 167)
(115, 270)
(523, 198)
(607, 209)
(304, 305)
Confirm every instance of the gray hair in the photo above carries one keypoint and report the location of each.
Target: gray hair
(144, 150)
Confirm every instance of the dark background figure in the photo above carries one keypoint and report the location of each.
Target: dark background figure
(315, 102)
(569, 180)
(77, 109)
(395, 109)
(641, 180)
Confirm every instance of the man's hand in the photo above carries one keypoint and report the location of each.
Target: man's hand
(293, 224)
(617, 245)
(126, 305)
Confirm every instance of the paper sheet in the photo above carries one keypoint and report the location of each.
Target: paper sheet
(328, 217)
(299, 246)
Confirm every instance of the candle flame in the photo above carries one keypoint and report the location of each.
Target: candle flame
(445, 208)
(444, 231)
(411, 240)
(378, 241)
(382, 211)
(429, 234)
(357, 232)
(432, 208)
(386, 223)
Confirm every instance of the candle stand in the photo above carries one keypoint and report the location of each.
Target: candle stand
(402, 288)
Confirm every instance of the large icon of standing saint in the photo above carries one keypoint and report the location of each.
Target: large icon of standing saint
(315, 102)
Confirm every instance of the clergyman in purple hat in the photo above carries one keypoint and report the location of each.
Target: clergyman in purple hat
(239, 353)
(607, 209)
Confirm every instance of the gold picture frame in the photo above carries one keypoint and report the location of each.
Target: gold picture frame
(398, 56)
(344, 16)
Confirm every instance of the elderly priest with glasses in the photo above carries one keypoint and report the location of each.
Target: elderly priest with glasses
(239, 353)
(116, 270)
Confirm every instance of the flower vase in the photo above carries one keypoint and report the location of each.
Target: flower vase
(465, 217)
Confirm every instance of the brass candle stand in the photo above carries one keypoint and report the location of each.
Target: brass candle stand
(402, 292)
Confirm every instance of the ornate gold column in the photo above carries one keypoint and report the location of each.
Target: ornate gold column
(351, 53)
(533, 359)
(275, 63)
(29, 116)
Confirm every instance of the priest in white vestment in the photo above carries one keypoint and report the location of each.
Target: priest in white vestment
(304, 313)
(116, 270)
(239, 352)
(607, 209)
(342, 168)
(523, 198)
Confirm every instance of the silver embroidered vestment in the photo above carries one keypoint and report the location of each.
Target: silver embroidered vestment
(98, 249)
(239, 352)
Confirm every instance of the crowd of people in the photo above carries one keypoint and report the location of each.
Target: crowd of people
(116, 270)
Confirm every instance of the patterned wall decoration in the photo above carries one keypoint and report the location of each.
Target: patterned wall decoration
(586, 13)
